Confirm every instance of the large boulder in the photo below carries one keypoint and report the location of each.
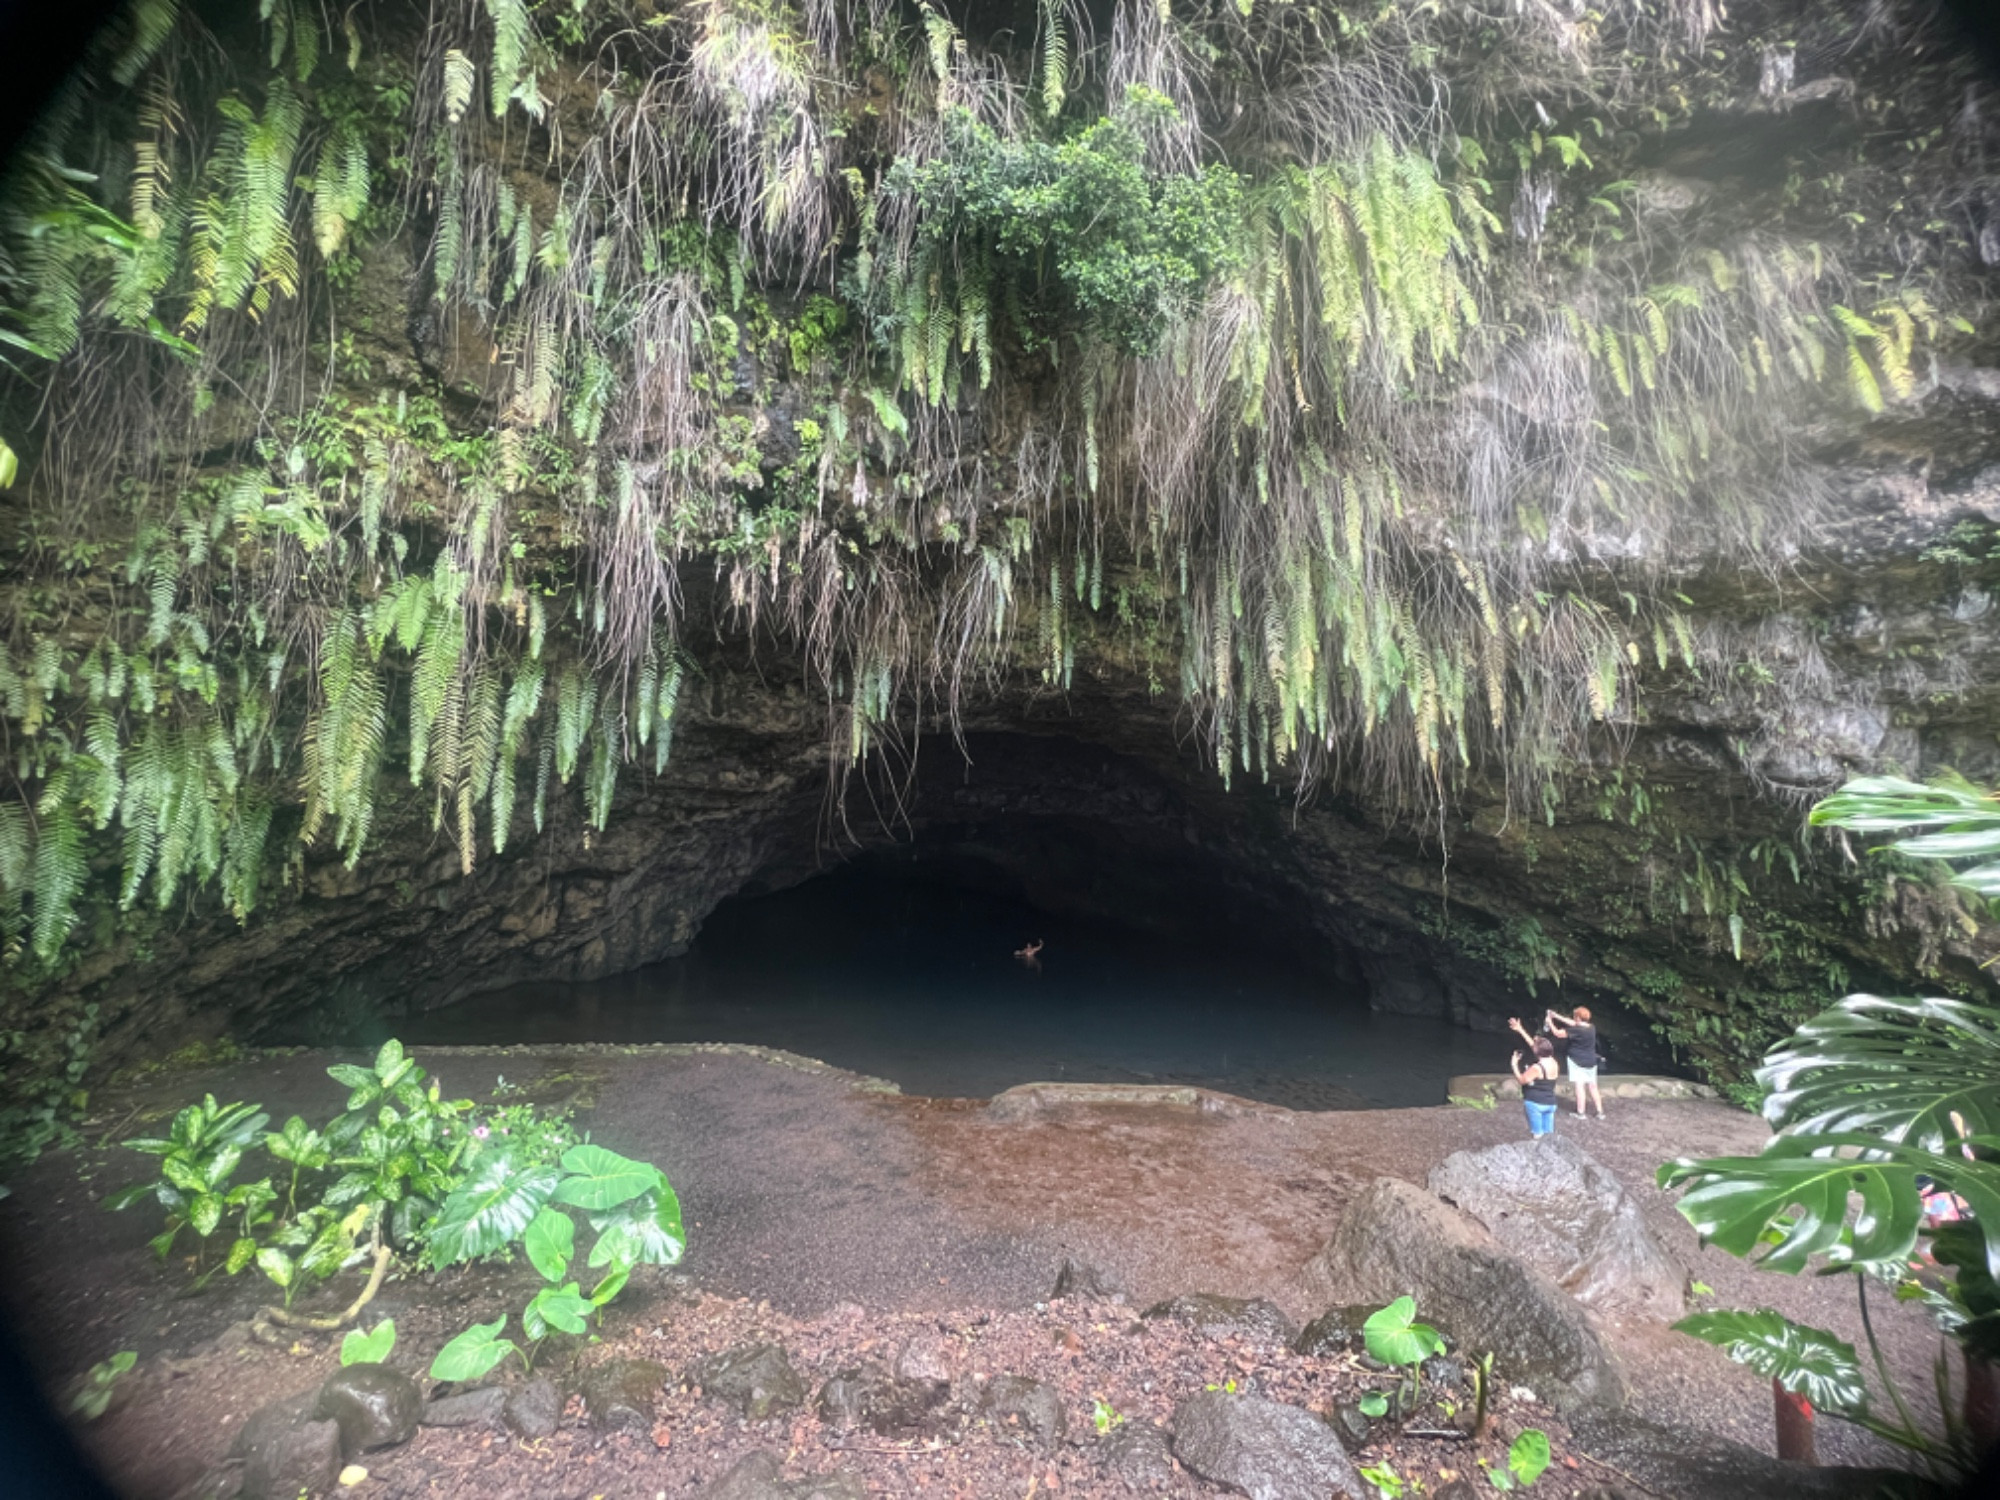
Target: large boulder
(1397, 1239)
(1265, 1449)
(1563, 1213)
(1679, 1463)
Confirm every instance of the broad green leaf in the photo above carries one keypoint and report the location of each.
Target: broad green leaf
(205, 1213)
(1889, 1067)
(277, 1265)
(1395, 1337)
(240, 1254)
(1807, 1361)
(126, 1197)
(550, 1240)
(1374, 1404)
(564, 1309)
(473, 1352)
(646, 1231)
(1529, 1456)
(611, 1285)
(370, 1348)
(352, 1077)
(1797, 1192)
(491, 1208)
(602, 1179)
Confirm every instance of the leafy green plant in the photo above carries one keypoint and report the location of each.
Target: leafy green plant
(371, 1348)
(312, 1247)
(301, 1148)
(93, 1398)
(1394, 1336)
(1864, 1098)
(1374, 1404)
(1527, 1457)
(629, 1204)
(1104, 1416)
(1388, 1483)
(198, 1156)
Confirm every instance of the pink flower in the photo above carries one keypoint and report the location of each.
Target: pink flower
(480, 1131)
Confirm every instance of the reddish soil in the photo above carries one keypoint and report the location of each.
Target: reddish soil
(843, 1223)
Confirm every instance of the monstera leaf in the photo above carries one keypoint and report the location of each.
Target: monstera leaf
(491, 1208)
(1793, 1201)
(1806, 1361)
(1899, 1069)
(1964, 822)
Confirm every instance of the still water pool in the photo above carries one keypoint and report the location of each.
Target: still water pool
(914, 981)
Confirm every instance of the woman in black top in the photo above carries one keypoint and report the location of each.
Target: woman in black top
(1538, 1088)
(1582, 1037)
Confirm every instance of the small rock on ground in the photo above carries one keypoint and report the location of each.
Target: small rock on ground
(1139, 1454)
(376, 1407)
(1250, 1317)
(1335, 1331)
(284, 1450)
(620, 1393)
(863, 1397)
(761, 1477)
(481, 1408)
(1033, 1406)
(1265, 1449)
(757, 1379)
(533, 1408)
(1080, 1278)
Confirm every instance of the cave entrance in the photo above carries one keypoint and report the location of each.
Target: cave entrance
(901, 964)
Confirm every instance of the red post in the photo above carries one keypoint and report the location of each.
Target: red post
(1795, 1425)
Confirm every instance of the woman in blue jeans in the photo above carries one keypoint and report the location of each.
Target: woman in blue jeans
(1538, 1088)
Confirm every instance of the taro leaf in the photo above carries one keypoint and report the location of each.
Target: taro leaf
(1529, 1456)
(550, 1241)
(1374, 1404)
(611, 1285)
(372, 1348)
(473, 1352)
(646, 1231)
(563, 1309)
(277, 1265)
(490, 1208)
(1806, 1361)
(1395, 1337)
(1894, 1068)
(1736, 1200)
(603, 1179)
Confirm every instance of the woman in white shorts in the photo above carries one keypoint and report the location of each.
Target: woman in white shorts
(1582, 1039)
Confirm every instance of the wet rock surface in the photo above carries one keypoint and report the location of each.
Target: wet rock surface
(757, 1379)
(375, 1407)
(1335, 1331)
(873, 1399)
(1264, 1449)
(484, 1407)
(1082, 1278)
(1679, 1463)
(622, 1393)
(1139, 1454)
(533, 1408)
(1020, 1403)
(284, 1450)
(1555, 1207)
(1395, 1238)
(1246, 1317)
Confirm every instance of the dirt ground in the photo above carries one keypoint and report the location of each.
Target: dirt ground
(845, 1222)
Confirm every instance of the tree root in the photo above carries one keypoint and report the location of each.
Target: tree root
(289, 1319)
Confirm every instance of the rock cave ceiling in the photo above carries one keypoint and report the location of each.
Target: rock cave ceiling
(1679, 651)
